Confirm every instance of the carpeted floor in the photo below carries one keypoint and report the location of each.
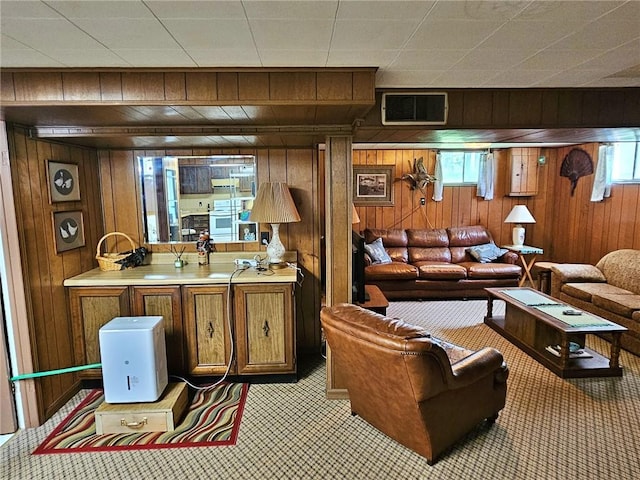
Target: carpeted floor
(551, 428)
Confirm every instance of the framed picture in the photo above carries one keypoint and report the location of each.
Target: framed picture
(64, 185)
(373, 184)
(68, 230)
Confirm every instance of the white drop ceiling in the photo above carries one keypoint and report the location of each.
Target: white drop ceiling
(413, 44)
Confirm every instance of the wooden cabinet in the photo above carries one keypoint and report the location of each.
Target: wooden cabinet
(523, 171)
(165, 301)
(207, 330)
(200, 338)
(91, 308)
(195, 179)
(265, 333)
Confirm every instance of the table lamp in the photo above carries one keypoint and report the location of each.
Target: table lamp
(355, 218)
(273, 204)
(519, 215)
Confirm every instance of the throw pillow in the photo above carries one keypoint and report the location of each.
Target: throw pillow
(377, 252)
(487, 252)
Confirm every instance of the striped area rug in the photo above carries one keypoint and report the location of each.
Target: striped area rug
(212, 419)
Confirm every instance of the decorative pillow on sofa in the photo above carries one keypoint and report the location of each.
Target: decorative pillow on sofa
(377, 252)
(487, 252)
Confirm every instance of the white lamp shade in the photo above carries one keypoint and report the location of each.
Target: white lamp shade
(519, 214)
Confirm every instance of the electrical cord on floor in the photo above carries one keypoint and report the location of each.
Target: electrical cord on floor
(239, 269)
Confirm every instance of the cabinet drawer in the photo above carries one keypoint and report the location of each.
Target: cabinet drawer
(160, 416)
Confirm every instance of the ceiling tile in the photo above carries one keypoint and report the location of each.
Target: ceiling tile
(296, 34)
(477, 10)
(536, 34)
(197, 9)
(22, 9)
(446, 34)
(293, 58)
(427, 59)
(28, 58)
(47, 34)
(512, 78)
(383, 10)
(290, 10)
(371, 34)
(558, 59)
(100, 9)
(126, 32)
(225, 57)
(602, 35)
(361, 57)
(100, 57)
(210, 34)
(155, 58)
(497, 58)
(570, 9)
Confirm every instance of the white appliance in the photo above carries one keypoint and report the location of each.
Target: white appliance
(134, 359)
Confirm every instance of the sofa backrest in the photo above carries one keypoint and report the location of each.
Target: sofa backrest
(621, 268)
(430, 244)
(393, 239)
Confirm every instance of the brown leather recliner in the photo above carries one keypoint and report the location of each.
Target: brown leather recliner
(422, 392)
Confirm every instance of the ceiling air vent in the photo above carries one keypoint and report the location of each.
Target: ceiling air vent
(414, 108)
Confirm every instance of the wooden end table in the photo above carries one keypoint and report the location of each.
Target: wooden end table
(534, 331)
(523, 250)
(377, 301)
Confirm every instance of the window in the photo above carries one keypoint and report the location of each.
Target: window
(459, 167)
(626, 162)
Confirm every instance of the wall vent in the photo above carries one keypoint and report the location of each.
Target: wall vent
(414, 108)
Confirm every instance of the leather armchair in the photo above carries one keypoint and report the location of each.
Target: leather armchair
(423, 392)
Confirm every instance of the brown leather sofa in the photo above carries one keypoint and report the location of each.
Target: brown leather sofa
(423, 392)
(436, 263)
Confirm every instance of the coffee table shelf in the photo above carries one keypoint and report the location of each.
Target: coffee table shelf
(532, 331)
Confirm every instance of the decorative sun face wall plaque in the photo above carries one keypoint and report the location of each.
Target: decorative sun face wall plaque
(63, 182)
(68, 230)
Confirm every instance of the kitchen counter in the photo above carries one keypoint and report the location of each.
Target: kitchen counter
(190, 274)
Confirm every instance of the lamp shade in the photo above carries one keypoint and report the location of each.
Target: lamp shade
(355, 218)
(520, 214)
(274, 204)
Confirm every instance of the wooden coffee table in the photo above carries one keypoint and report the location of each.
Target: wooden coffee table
(534, 322)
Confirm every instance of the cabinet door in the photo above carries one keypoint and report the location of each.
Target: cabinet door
(206, 327)
(265, 328)
(164, 301)
(91, 308)
(523, 168)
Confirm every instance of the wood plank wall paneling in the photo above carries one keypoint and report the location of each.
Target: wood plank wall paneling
(297, 167)
(153, 87)
(45, 270)
(569, 229)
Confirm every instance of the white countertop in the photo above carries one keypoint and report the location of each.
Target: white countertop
(190, 274)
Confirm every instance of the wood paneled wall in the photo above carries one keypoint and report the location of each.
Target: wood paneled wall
(297, 167)
(570, 229)
(44, 270)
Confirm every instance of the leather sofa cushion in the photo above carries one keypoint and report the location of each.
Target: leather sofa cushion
(394, 237)
(441, 271)
(468, 236)
(476, 271)
(636, 315)
(436, 254)
(622, 304)
(391, 271)
(585, 291)
(436, 237)
(460, 254)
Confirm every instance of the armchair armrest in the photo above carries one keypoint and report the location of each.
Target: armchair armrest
(577, 272)
(484, 362)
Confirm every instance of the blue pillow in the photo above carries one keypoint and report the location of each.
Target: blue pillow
(487, 252)
(377, 252)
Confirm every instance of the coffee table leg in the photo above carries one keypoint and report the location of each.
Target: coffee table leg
(615, 350)
(489, 306)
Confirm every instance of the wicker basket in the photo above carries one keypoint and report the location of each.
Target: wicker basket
(107, 261)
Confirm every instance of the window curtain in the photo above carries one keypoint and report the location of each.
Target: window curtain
(438, 185)
(602, 178)
(486, 176)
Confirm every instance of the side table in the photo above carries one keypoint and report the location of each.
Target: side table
(523, 250)
(377, 302)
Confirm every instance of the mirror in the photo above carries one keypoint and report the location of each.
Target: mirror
(183, 196)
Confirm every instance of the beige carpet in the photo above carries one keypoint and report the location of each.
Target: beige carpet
(550, 429)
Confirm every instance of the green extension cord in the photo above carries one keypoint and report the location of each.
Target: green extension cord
(25, 376)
